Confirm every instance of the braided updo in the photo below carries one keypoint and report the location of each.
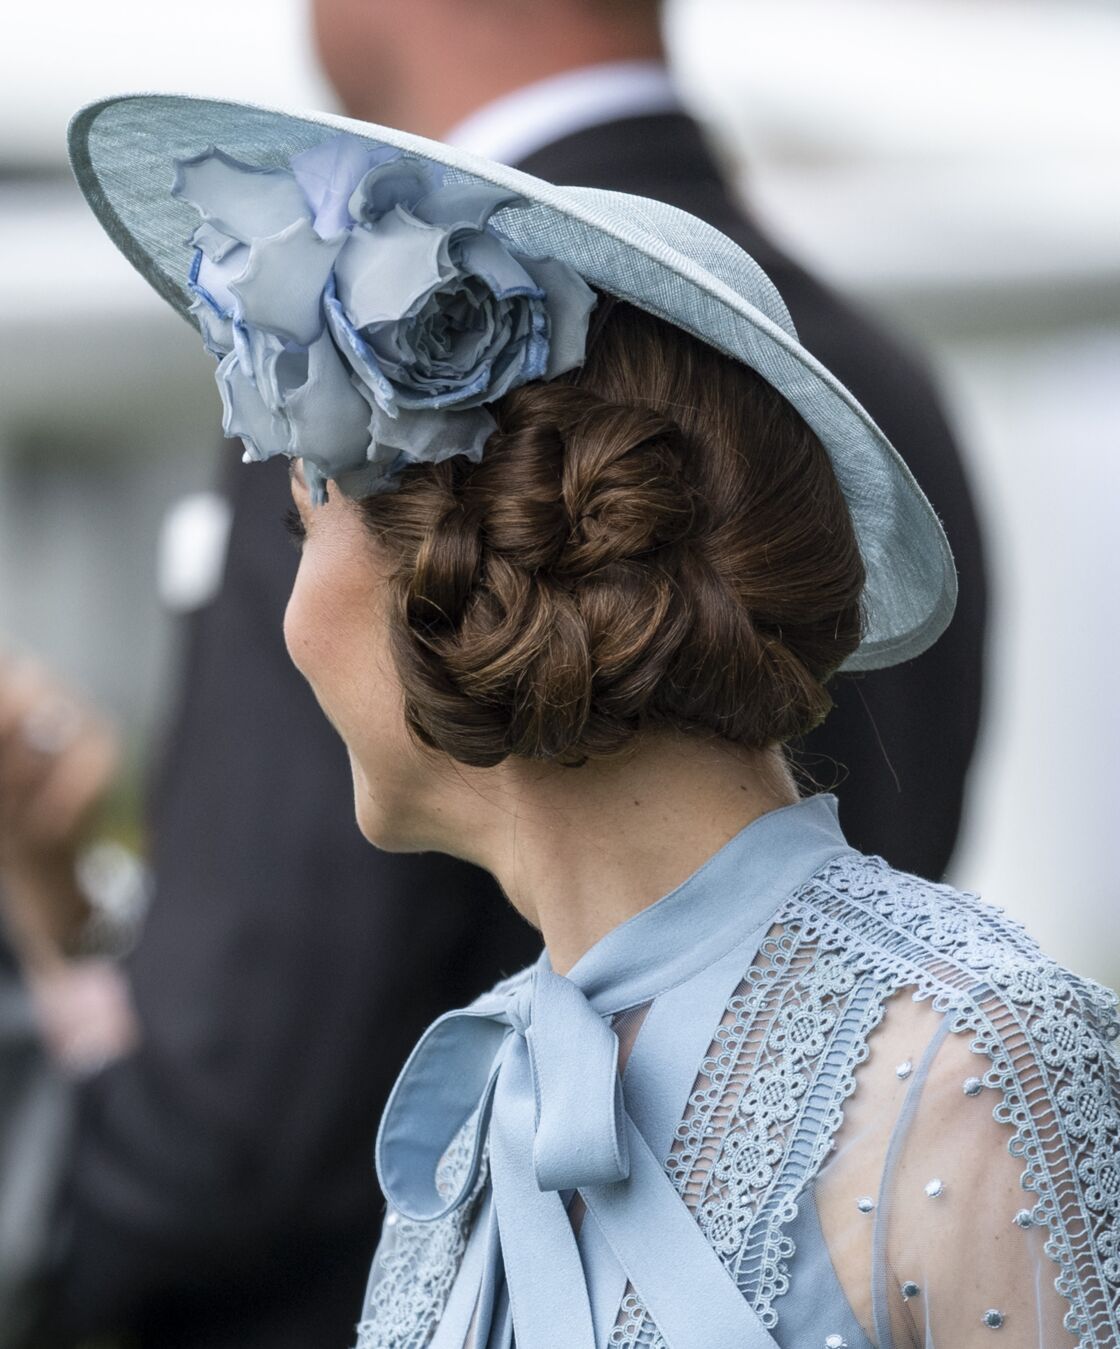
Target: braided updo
(655, 540)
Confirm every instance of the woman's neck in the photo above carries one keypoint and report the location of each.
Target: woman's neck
(580, 850)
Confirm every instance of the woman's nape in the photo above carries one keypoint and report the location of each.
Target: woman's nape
(578, 851)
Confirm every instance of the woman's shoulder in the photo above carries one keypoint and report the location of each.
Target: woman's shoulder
(953, 941)
(979, 966)
(991, 1078)
(1017, 1103)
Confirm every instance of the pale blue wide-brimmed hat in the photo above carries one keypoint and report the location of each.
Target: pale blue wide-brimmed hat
(129, 151)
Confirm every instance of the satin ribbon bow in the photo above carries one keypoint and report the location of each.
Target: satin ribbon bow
(536, 1048)
(540, 1066)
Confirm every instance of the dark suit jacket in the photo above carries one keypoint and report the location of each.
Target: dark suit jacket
(222, 1192)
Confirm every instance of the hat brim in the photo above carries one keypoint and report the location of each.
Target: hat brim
(122, 150)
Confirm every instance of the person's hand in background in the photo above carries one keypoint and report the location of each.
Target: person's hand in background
(58, 761)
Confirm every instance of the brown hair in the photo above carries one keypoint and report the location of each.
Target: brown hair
(656, 539)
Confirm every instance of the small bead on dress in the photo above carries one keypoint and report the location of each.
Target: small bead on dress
(934, 1188)
(993, 1318)
(835, 1342)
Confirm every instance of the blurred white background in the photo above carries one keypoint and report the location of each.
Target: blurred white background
(950, 164)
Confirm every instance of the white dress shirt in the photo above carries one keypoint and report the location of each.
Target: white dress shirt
(515, 125)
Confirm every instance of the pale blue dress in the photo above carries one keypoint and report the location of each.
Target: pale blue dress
(802, 1100)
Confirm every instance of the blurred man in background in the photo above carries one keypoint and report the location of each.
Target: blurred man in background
(220, 1190)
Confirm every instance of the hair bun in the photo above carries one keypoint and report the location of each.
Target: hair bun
(624, 491)
(655, 539)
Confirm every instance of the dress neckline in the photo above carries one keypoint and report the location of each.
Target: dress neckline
(722, 903)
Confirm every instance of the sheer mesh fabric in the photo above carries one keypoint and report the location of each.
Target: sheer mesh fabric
(903, 1066)
(973, 1176)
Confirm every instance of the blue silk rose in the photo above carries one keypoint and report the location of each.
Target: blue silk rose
(363, 310)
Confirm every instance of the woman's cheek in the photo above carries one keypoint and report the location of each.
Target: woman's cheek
(310, 635)
(295, 635)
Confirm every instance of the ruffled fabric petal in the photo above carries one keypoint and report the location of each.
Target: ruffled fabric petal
(238, 199)
(272, 364)
(435, 394)
(486, 256)
(387, 271)
(401, 181)
(429, 358)
(281, 289)
(214, 279)
(517, 346)
(328, 417)
(216, 328)
(357, 352)
(371, 479)
(570, 302)
(469, 204)
(459, 330)
(524, 357)
(212, 241)
(428, 436)
(245, 415)
(329, 172)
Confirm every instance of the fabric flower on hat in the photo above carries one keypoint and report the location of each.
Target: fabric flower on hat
(364, 311)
